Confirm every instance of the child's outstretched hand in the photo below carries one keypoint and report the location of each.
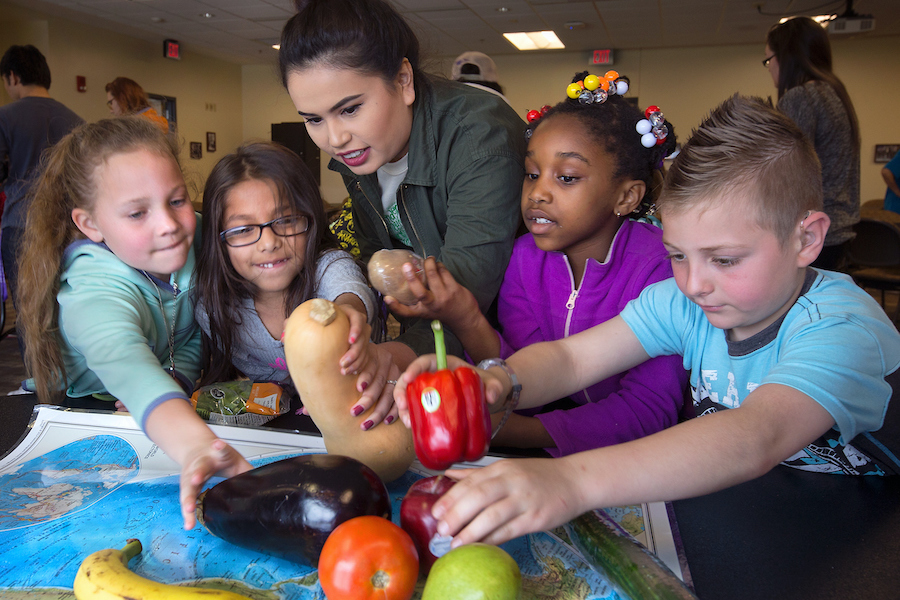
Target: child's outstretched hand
(215, 458)
(427, 363)
(507, 499)
(443, 299)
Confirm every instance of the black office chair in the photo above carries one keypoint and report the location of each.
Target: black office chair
(875, 257)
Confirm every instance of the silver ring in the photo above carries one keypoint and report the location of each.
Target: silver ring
(392, 381)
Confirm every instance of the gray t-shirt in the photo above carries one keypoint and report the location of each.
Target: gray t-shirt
(817, 109)
(256, 353)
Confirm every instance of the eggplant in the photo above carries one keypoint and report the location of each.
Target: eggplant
(289, 507)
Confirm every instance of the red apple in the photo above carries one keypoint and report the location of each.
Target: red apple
(417, 521)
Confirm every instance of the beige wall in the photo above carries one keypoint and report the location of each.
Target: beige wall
(239, 103)
(686, 83)
(206, 89)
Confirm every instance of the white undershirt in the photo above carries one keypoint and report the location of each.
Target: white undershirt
(390, 176)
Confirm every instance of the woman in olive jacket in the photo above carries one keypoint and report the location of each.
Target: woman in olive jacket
(431, 165)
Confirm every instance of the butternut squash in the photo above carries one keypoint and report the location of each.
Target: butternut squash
(315, 338)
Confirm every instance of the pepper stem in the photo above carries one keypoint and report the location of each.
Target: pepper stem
(440, 347)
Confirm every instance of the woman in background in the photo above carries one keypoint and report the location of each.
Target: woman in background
(125, 97)
(798, 56)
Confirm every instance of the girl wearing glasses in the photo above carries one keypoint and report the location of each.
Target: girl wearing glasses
(106, 270)
(430, 164)
(266, 248)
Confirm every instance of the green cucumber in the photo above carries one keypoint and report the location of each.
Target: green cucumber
(631, 569)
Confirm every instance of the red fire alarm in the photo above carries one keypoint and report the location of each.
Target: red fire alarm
(81, 83)
(172, 49)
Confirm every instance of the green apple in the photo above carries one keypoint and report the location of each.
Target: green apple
(474, 572)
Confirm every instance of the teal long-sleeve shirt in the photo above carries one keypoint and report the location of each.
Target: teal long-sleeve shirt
(115, 323)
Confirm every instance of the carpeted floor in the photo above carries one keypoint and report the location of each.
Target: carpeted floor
(15, 411)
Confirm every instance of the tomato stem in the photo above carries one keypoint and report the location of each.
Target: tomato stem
(440, 347)
(380, 580)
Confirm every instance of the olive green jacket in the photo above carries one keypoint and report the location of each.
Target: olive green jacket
(459, 201)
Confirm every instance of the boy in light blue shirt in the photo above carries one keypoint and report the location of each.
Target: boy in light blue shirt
(788, 364)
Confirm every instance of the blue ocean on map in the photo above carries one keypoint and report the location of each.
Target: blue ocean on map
(59, 508)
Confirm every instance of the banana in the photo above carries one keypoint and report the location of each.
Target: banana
(104, 575)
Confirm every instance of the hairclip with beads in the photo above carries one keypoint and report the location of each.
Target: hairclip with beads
(653, 129)
(595, 90)
(535, 115)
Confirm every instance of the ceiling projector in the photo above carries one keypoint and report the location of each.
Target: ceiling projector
(854, 24)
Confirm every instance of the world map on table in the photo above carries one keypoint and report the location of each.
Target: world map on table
(85, 496)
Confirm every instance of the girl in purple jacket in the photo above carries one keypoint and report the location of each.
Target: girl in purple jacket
(588, 174)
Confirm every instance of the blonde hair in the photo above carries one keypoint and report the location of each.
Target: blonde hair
(747, 147)
(68, 180)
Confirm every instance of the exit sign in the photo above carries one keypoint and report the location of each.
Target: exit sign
(172, 49)
(602, 57)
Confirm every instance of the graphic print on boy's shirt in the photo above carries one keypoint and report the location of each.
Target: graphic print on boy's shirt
(721, 392)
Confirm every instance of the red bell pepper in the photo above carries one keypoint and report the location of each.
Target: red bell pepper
(448, 413)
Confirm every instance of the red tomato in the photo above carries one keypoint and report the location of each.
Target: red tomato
(368, 558)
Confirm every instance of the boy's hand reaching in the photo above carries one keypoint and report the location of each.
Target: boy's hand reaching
(508, 499)
(215, 458)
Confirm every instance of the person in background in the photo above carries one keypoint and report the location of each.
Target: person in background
(891, 175)
(587, 171)
(107, 279)
(125, 97)
(431, 165)
(789, 364)
(30, 124)
(477, 68)
(798, 56)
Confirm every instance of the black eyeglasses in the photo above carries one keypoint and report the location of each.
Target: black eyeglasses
(244, 235)
(767, 60)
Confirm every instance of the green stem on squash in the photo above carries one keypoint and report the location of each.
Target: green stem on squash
(440, 347)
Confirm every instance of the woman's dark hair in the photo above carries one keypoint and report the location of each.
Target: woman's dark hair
(803, 52)
(612, 125)
(218, 284)
(364, 35)
(27, 63)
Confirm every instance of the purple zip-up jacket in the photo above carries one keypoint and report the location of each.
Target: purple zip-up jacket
(539, 302)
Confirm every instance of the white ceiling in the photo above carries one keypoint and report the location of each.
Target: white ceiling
(242, 31)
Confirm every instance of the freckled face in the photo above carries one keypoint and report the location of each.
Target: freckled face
(737, 272)
(359, 119)
(142, 212)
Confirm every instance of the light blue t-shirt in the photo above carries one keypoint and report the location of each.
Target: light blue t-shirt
(835, 345)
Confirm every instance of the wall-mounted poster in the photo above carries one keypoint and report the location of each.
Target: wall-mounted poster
(210, 141)
(196, 150)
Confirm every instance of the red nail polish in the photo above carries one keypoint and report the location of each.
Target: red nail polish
(368, 425)
(389, 420)
(357, 410)
(364, 385)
